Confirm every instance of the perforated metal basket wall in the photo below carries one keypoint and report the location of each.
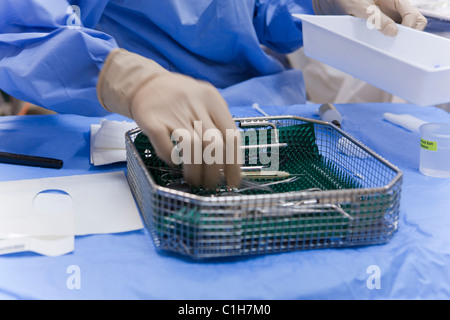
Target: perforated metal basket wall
(346, 195)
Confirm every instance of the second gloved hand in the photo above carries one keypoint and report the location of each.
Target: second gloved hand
(162, 102)
(388, 11)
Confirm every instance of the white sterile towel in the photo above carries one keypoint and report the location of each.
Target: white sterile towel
(108, 141)
(406, 121)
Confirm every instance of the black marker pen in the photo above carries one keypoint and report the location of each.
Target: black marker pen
(25, 160)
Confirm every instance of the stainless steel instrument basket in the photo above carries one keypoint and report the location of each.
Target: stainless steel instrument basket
(344, 195)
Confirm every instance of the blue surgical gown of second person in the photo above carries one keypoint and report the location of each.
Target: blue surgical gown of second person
(51, 51)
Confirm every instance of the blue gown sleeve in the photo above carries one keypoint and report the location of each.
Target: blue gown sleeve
(274, 25)
(50, 57)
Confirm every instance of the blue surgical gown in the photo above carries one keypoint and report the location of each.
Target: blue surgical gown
(51, 51)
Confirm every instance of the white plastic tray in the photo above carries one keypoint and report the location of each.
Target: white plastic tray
(414, 65)
(437, 9)
(436, 15)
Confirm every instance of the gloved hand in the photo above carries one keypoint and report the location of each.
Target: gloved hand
(389, 11)
(160, 102)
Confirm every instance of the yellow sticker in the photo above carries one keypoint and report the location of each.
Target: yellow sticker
(428, 145)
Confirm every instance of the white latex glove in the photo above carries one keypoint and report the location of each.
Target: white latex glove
(389, 11)
(160, 102)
